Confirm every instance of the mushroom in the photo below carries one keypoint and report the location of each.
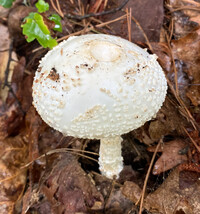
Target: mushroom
(99, 86)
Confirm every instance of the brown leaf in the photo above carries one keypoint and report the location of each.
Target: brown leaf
(187, 50)
(14, 106)
(34, 126)
(150, 20)
(13, 153)
(168, 121)
(169, 198)
(9, 120)
(68, 189)
(185, 17)
(170, 157)
(11, 111)
(187, 179)
(4, 55)
(163, 53)
(50, 24)
(15, 20)
(118, 203)
(132, 191)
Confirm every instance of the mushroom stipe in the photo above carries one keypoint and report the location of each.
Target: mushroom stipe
(99, 86)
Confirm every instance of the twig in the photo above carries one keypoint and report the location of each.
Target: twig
(185, 8)
(186, 112)
(192, 140)
(144, 34)
(98, 5)
(174, 66)
(105, 3)
(8, 64)
(4, 50)
(16, 99)
(129, 14)
(63, 150)
(70, 16)
(6, 83)
(56, 9)
(172, 29)
(147, 176)
(59, 9)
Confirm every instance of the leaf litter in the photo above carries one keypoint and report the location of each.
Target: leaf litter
(45, 172)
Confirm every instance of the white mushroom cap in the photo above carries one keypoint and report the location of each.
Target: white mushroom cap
(98, 86)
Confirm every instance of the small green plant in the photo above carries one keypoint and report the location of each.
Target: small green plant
(35, 27)
(36, 24)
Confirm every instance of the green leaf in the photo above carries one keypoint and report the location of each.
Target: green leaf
(42, 6)
(6, 3)
(56, 19)
(35, 28)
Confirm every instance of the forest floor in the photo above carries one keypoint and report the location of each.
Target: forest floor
(42, 171)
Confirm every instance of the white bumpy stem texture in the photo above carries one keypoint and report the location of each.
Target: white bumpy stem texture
(110, 158)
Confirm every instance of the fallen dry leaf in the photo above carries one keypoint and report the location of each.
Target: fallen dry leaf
(15, 20)
(170, 157)
(15, 96)
(169, 198)
(68, 189)
(141, 11)
(164, 55)
(12, 111)
(187, 50)
(185, 15)
(168, 121)
(118, 203)
(5, 11)
(5, 43)
(187, 179)
(13, 155)
(132, 191)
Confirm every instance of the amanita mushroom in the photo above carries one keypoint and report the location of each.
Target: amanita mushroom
(99, 86)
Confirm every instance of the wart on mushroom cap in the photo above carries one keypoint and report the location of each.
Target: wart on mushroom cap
(99, 86)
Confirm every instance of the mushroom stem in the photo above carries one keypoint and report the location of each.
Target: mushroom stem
(110, 158)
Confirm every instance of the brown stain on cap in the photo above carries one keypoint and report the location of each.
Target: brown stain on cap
(53, 75)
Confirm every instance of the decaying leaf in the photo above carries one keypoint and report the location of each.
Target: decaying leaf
(118, 203)
(132, 191)
(15, 87)
(171, 155)
(15, 20)
(169, 198)
(17, 102)
(185, 15)
(168, 121)
(4, 57)
(141, 11)
(187, 50)
(68, 189)
(13, 155)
